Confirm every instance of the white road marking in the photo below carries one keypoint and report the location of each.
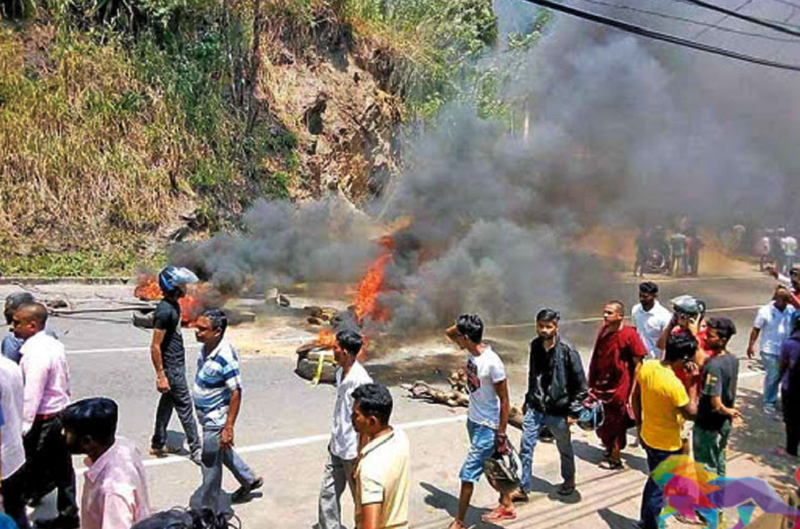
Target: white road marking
(297, 441)
(142, 349)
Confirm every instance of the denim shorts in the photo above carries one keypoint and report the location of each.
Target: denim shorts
(481, 448)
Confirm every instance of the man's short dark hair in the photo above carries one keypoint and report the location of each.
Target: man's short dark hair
(374, 400)
(37, 312)
(218, 319)
(680, 346)
(794, 271)
(350, 340)
(648, 287)
(95, 417)
(471, 326)
(14, 302)
(724, 326)
(548, 315)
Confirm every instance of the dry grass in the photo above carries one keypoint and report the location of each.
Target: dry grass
(89, 155)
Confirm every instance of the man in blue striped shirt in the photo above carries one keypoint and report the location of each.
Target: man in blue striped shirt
(217, 397)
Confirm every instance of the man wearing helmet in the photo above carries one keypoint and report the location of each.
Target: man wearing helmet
(169, 360)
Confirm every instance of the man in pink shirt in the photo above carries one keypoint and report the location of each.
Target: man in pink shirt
(46, 394)
(115, 486)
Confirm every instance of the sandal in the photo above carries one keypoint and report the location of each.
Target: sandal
(499, 514)
(609, 464)
(565, 490)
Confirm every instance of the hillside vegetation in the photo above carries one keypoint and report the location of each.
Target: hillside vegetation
(125, 124)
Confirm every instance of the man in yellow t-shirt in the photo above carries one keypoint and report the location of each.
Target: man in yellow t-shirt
(660, 405)
(381, 491)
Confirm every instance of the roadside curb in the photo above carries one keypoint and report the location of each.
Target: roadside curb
(35, 280)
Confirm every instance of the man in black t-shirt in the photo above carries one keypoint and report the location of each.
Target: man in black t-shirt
(169, 360)
(716, 410)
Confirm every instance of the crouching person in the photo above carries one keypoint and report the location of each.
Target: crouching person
(488, 414)
(115, 486)
(217, 396)
(381, 475)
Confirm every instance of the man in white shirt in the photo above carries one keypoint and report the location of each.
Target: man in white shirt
(343, 446)
(789, 246)
(770, 328)
(487, 418)
(12, 453)
(650, 317)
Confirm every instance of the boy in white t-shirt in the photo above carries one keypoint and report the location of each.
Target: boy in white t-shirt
(488, 414)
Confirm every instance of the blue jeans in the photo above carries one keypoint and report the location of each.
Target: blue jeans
(653, 495)
(772, 379)
(531, 426)
(213, 460)
(481, 447)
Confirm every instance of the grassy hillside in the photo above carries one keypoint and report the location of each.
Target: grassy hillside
(125, 124)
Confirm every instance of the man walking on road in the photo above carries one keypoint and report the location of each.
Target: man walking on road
(487, 418)
(114, 485)
(169, 360)
(46, 375)
(660, 404)
(382, 473)
(556, 391)
(12, 451)
(716, 411)
(618, 354)
(217, 397)
(344, 443)
(650, 318)
(771, 327)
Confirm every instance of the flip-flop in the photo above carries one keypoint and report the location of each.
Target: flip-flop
(499, 514)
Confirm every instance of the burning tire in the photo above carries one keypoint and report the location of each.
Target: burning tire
(308, 367)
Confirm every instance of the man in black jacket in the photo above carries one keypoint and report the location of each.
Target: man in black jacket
(556, 391)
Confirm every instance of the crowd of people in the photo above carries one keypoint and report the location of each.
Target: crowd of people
(668, 373)
(676, 253)
(776, 249)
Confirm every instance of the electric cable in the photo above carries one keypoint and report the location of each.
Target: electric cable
(722, 19)
(664, 37)
(706, 25)
(734, 14)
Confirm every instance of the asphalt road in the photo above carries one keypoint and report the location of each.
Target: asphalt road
(282, 430)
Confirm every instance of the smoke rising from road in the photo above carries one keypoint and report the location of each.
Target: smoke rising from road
(621, 132)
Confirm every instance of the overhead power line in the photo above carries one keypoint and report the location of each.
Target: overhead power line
(734, 14)
(724, 18)
(664, 37)
(706, 25)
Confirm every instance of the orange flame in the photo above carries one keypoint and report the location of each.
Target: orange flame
(192, 304)
(366, 302)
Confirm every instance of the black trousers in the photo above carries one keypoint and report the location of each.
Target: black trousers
(179, 399)
(791, 416)
(13, 491)
(48, 464)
